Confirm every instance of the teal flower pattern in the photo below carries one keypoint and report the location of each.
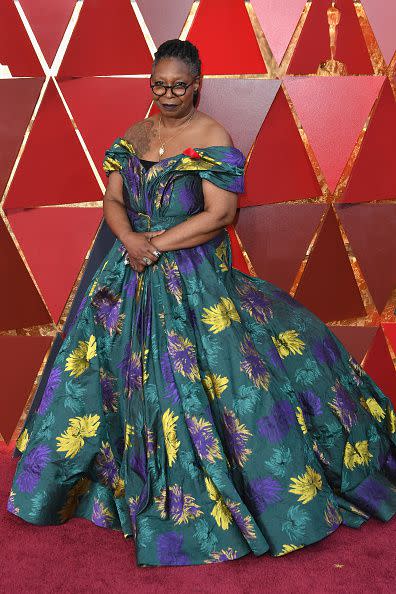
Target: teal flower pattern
(198, 410)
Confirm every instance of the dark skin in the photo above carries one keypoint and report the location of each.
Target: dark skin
(202, 131)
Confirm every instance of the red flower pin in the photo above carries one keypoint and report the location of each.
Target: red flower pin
(191, 153)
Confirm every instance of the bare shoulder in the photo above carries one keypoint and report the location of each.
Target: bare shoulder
(219, 136)
(214, 133)
(139, 130)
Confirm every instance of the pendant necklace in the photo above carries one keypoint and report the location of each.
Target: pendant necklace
(161, 149)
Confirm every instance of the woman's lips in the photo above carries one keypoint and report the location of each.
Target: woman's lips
(169, 106)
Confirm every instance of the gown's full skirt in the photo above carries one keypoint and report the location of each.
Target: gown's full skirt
(206, 414)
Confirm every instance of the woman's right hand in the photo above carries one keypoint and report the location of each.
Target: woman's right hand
(138, 247)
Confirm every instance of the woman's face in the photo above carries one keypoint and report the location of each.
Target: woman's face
(170, 71)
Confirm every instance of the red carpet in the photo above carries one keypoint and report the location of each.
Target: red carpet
(81, 557)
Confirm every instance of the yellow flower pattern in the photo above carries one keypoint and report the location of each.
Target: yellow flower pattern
(221, 253)
(73, 439)
(373, 408)
(357, 454)
(288, 343)
(306, 485)
(172, 444)
(220, 512)
(214, 384)
(129, 430)
(220, 316)
(22, 441)
(301, 419)
(78, 361)
(200, 410)
(391, 417)
(289, 548)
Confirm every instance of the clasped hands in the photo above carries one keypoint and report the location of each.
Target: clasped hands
(140, 251)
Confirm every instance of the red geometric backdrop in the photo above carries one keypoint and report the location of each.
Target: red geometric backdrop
(318, 216)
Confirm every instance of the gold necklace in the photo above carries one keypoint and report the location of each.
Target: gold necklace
(161, 149)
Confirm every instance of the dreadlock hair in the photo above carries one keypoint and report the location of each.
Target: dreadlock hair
(183, 50)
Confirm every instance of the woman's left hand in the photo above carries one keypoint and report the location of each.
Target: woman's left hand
(139, 265)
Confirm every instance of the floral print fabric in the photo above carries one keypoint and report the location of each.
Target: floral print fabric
(200, 411)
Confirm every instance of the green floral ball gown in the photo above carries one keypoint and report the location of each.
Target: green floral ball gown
(203, 412)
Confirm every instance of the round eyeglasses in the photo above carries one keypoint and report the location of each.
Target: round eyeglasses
(178, 89)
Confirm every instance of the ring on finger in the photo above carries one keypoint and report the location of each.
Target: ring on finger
(146, 261)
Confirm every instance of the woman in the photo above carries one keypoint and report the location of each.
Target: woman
(202, 411)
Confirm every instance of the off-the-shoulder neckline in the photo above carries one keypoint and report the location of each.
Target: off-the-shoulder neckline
(196, 148)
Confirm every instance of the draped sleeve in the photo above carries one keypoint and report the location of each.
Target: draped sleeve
(117, 155)
(221, 165)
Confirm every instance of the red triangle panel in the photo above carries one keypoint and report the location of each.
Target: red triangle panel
(53, 168)
(46, 236)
